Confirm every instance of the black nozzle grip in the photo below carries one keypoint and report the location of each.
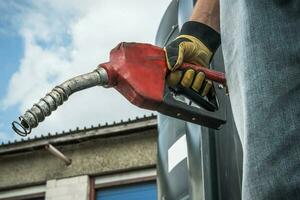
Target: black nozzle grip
(195, 97)
(177, 108)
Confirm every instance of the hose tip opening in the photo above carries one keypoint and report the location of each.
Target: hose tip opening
(22, 128)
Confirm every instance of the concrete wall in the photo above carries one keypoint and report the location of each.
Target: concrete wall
(75, 188)
(97, 156)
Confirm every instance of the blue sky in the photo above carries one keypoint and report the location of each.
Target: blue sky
(11, 52)
(43, 43)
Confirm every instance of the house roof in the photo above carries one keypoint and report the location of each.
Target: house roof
(80, 134)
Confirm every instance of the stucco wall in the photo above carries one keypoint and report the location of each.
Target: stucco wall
(97, 156)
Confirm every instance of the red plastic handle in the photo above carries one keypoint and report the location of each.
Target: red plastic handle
(209, 73)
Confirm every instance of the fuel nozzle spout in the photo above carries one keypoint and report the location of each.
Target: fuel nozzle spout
(57, 97)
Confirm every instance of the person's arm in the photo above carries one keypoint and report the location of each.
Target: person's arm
(207, 12)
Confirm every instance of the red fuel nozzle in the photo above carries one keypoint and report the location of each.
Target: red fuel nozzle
(138, 72)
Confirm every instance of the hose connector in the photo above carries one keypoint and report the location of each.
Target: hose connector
(57, 97)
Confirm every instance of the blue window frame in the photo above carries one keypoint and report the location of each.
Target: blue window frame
(145, 191)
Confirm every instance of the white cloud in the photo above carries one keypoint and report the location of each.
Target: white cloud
(91, 29)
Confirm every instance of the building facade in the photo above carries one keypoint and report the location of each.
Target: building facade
(114, 161)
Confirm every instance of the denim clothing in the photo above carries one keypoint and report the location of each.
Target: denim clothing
(261, 49)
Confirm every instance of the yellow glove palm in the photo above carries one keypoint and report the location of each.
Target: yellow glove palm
(196, 45)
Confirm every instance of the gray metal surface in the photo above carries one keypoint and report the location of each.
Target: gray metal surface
(168, 27)
(228, 149)
(172, 183)
(212, 169)
(57, 97)
(175, 184)
(184, 11)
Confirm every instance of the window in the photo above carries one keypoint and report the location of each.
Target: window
(129, 185)
(138, 191)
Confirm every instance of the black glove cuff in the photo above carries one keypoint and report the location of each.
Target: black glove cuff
(204, 33)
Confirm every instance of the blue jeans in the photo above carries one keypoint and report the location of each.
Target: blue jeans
(261, 49)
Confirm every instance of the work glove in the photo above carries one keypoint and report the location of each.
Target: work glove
(196, 44)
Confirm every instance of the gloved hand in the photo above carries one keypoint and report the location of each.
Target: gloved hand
(195, 44)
